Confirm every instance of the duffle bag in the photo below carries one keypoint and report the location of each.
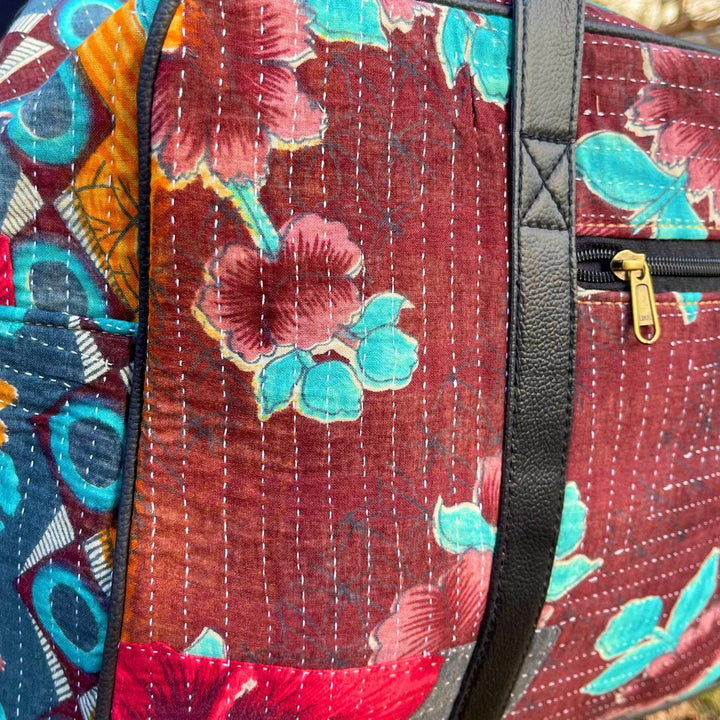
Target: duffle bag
(358, 361)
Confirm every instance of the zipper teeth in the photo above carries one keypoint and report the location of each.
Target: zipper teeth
(661, 266)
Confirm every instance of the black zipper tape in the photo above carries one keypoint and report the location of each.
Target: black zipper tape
(675, 265)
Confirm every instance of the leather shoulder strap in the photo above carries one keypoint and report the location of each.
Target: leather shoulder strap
(547, 71)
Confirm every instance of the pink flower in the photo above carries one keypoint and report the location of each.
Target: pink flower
(301, 298)
(158, 682)
(232, 114)
(404, 12)
(487, 489)
(675, 663)
(436, 617)
(682, 119)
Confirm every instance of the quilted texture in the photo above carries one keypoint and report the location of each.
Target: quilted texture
(319, 468)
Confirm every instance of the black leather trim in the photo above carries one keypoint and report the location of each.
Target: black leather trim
(547, 71)
(145, 92)
(482, 6)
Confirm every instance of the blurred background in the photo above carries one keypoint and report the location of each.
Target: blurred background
(8, 8)
(696, 20)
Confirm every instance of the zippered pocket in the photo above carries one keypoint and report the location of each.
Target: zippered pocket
(645, 270)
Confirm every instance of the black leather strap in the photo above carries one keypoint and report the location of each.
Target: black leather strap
(547, 70)
(145, 92)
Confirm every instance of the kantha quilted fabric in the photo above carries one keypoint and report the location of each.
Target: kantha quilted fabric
(319, 468)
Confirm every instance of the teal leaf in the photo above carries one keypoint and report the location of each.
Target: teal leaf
(689, 304)
(9, 495)
(572, 525)
(208, 644)
(678, 221)
(462, 527)
(629, 666)
(276, 382)
(381, 309)
(632, 624)
(566, 574)
(454, 37)
(256, 220)
(695, 597)
(386, 359)
(356, 21)
(330, 391)
(490, 59)
(620, 172)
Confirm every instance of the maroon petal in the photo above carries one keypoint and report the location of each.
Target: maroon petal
(487, 492)
(703, 168)
(286, 112)
(264, 30)
(404, 10)
(466, 587)
(429, 619)
(681, 140)
(235, 304)
(418, 623)
(655, 107)
(239, 145)
(180, 142)
(313, 315)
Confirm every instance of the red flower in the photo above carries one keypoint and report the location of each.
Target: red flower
(229, 113)
(436, 617)
(301, 297)
(156, 681)
(680, 109)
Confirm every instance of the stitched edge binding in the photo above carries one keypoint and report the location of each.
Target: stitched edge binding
(145, 93)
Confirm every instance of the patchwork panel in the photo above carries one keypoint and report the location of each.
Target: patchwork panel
(63, 391)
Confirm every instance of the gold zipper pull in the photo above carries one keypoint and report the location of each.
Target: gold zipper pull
(633, 268)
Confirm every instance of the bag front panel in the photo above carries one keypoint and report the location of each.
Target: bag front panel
(319, 467)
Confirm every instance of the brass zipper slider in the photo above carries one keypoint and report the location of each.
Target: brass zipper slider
(633, 268)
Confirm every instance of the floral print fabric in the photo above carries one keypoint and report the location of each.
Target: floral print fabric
(334, 289)
(319, 473)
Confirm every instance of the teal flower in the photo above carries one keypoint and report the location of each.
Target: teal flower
(620, 172)
(364, 22)
(464, 526)
(689, 304)
(386, 357)
(570, 570)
